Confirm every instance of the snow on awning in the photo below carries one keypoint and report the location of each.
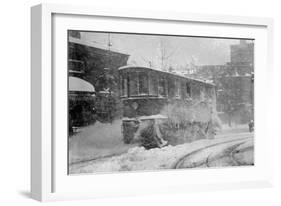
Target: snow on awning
(80, 85)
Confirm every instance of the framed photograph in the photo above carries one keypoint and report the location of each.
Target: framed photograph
(137, 102)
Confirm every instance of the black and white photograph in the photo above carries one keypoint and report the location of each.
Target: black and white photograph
(153, 102)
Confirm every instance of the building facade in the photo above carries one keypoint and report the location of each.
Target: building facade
(97, 65)
(234, 84)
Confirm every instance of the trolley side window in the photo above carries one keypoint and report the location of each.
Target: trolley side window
(143, 83)
(202, 93)
(177, 89)
(211, 94)
(162, 87)
(188, 89)
(153, 85)
(195, 90)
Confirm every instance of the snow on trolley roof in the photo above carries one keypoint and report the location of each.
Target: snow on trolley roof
(143, 118)
(166, 72)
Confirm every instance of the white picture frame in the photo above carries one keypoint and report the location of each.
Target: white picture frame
(49, 180)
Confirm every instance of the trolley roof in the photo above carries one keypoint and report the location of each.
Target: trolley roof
(169, 73)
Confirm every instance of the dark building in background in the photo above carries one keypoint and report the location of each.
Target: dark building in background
(242, 55)
(235, 98)
(75, 34)
(97, 65)
(210, 72)
(235, 83)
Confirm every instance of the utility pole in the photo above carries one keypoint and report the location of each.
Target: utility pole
(109, 44)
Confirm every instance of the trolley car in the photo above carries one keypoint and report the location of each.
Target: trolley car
(145, 92)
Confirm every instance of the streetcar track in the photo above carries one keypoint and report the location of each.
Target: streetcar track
(239, 163)
(102, 158)
(180, 162)
(207, 160)
(234, 161)
(225, 153)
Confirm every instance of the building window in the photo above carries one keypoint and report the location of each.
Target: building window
(75, 65)
(143, 83)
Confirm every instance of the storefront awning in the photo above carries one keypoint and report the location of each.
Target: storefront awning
(80, 85)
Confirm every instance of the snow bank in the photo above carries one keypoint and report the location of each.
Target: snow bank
(138, 158)
(97, 141)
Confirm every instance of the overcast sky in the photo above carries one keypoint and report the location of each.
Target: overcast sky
(182, 50)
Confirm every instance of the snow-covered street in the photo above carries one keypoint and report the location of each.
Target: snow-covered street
(236, 152)
(97, 141)
(226, 149)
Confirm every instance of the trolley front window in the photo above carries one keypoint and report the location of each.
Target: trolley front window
(133, 84)
(124, 88)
